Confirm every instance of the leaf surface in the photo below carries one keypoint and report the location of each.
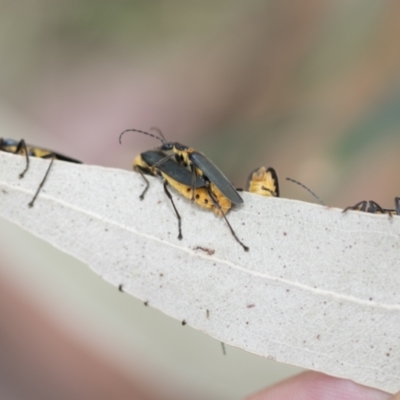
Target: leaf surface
(318, 288)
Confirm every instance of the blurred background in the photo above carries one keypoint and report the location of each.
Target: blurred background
(311, 88)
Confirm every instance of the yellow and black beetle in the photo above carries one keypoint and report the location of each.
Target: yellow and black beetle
(199, 164)
(181, 180)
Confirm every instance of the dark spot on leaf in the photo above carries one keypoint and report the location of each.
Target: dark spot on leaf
(210, 252)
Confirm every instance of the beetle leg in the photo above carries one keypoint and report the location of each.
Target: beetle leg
(268, 190)
(22, 146)
(158, 163)
(193, 181)
(52, 156)
(360, 206)
(176, 211)
(375, 208)
(137, 168)
(216, 204)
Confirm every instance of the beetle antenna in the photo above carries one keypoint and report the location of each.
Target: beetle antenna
(154, 128)
(162, 140)
(305, 187)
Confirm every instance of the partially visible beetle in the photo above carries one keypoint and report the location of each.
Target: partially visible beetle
(263, 181)
(15, 147)
(374, 208)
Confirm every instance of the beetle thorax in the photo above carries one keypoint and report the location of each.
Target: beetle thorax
(182, 156)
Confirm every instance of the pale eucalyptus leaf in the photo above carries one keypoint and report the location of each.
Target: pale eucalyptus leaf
(319, 288)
